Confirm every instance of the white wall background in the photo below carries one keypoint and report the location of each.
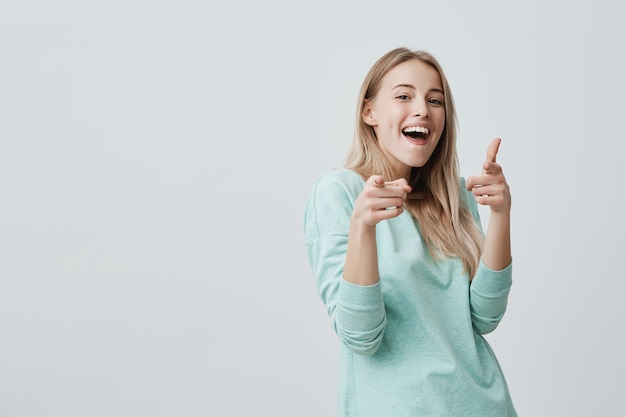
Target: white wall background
(154, 161)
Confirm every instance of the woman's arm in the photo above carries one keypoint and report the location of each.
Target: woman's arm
(357, 310)
(378, 201)
(491, 189)
(490, 287)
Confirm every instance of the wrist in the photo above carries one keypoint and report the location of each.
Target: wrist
(504, 212)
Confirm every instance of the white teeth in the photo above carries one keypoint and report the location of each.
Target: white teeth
(416, 129)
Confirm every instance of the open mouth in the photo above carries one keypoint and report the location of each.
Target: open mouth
(416, 132)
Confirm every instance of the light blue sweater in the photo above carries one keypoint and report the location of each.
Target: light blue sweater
(412, 344)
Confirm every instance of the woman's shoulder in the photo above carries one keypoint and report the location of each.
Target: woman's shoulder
(468, 198)
(343, 175)
(329, 205)
(463, 188)
(339, 179)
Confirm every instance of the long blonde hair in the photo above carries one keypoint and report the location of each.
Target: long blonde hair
(448, 228)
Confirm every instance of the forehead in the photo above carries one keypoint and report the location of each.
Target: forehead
(414, 72)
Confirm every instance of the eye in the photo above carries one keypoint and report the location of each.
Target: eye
(435, 101)
(403, 97)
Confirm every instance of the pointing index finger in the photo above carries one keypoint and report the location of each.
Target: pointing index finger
(492, 151)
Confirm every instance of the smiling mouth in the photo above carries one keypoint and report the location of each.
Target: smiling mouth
(416, 132)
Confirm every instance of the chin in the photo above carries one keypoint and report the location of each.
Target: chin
(419, 162)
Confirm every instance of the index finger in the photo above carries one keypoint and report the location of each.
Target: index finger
(399, 182)
(492, 151)
(402, 183)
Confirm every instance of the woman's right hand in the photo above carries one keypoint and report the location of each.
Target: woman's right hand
(380, 200)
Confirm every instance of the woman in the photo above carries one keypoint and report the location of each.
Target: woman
(394, 241)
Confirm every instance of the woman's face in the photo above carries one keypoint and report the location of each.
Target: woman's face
(408, 115)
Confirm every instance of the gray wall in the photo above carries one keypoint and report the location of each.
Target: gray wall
(154, 161)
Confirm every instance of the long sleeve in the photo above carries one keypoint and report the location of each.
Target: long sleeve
(357, 312)
(489, 293)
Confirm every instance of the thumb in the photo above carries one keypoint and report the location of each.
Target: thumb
(377, 180)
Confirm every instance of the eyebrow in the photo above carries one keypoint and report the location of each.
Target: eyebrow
(436, 90)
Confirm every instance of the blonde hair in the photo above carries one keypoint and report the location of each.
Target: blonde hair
(447, 225)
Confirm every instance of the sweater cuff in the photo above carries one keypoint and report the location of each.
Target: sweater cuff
(360, 307)
(492, 283)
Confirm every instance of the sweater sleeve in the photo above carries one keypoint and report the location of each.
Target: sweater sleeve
(489, 290)
(357, 312)
(489, 293)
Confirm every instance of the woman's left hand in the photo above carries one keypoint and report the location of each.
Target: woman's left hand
(490, 188)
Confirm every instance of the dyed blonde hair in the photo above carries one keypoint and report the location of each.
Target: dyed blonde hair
(448, 228)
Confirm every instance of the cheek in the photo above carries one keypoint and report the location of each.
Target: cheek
(388, 121)
(442, 119)
(395, 117)
(398, 111)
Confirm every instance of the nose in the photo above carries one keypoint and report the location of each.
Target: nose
(420, 108)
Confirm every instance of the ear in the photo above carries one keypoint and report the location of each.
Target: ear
(368, 115)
